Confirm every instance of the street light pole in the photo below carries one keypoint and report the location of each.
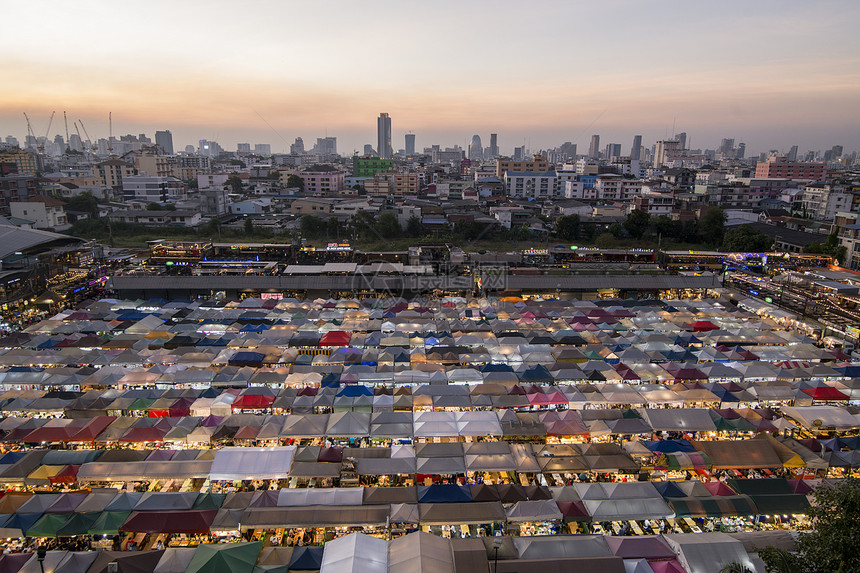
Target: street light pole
(497, 543)
(40, 555)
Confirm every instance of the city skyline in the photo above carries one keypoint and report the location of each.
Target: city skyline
(743, 78)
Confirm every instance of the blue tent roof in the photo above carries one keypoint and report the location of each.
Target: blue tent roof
(306, 559)
(496, 368)
(444, 493)
(247, 358)
(670, 446)
(355, 390)
(668, 489)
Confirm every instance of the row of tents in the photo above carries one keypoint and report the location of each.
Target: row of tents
(420, 552)
(108, 512)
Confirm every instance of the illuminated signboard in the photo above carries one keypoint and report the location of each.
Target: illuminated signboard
(338, 247)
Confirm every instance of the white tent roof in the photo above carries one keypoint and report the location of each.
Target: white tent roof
(239, 463)
(355, 553)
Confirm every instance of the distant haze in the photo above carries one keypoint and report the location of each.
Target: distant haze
(771, 74)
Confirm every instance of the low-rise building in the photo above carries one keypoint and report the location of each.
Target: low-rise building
(45, 212)
(157, 218)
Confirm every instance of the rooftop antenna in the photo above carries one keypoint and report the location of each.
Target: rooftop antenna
(673, 127)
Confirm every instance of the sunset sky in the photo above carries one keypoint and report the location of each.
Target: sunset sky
(768, 73)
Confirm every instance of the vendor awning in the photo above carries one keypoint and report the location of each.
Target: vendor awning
(461, 513)
(314, 516)
(184, 521)
(138, 471)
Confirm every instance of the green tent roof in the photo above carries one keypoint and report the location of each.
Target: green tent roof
(108, 523)
(233, 557)
(47, 525)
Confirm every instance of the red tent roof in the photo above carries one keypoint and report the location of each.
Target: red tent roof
(335, 338)
(253, 402)
(186, 521)
(143, 435)
(824, 393)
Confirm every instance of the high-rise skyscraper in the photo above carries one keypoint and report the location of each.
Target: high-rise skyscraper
(636, 150)
(682, 137)
(726, 146)
(383, 136)
(298, 147)
(836, 152)
(164, 139)
(742, 150)
(792, 153)
(494, 146)
(594, 148)
(326, 146)
(243, 148)
(612, 150)
(476, 150)
(410, 144)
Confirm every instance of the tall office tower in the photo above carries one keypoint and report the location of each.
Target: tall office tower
(742, 150)
(263, 148)
(75, 143)
(636, 150)
(326, 145)
(410, 144)
(682, 137)
(726, 146)
(243, 148)
(520, 153)
(298, 147)
(383, 136)
(368, 149)
(494, 146)
(164, 139)
(836, 152)
(476, 150)
(594, 148)
(568, 150)
(613, 150)
(792, 154)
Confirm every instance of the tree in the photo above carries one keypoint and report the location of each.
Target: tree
(332, 228)
(712, 226)
(567, 227)
(736, 567)
(616, 230)
(413, 227)
(249, 225)
(666, 227)
(832, 544)
(212, 228)
(745, 239)
(831, 247)
(85, 202)
(312, 227)
(388, 226)
(294, 181)
(637, 223)
(153, 206)
(235, 182)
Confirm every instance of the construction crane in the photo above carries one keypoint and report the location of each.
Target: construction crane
(40, 145)
(79, 135)
(93, 145)
(66, 121)
(29, 127)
